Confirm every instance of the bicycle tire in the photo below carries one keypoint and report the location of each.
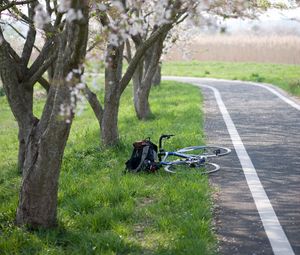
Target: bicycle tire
(206, 151)
(204, 168)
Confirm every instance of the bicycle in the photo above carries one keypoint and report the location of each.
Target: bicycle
(193, 156)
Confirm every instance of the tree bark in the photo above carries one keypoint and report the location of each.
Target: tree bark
(38, 195)
(109, 124)
(18, 84)
(95, 104)
(20, 98)
(144, 79)
(113, 74)
(46, 142)
(142, 105)
(156, 80)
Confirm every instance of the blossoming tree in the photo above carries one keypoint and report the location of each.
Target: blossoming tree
(123, 23)
(43, 140)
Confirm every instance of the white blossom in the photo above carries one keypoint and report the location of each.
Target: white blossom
(80, 86)
(123, 35)
(77, 85)
(102, 7)
(113, 39)
(66, 112)
(64, 5)
(72, 15)
(41, 17)
(117, 4)
(136, 27)
(168, 14)
(69, 76)
(162, 12)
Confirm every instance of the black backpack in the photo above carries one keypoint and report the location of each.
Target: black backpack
(143, 157)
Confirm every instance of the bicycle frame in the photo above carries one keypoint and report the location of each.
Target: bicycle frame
(177, 154)
(166, 154)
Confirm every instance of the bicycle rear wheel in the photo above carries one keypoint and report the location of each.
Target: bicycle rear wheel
(182, 166)
(206, 151)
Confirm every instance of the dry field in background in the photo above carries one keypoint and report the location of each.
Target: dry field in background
(265, 49)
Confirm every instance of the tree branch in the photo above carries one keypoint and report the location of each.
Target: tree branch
(181, 19)
(24, 17)
(48, 50)
(11, 51)
(44, 83)
(30, 39)
(48, 7)
(155, 54)
(38, 74)
(93, 46)
(28, 46)
(140, 52)
(19, 33)
(58, 19)
(128, 51)
(94, 103)
(15, 3)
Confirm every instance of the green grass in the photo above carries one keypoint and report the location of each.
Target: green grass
(286, 77)
(102, 211)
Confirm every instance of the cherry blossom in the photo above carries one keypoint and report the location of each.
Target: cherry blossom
(72, 15)
(64, 5)
(41, 17)
(76, 86)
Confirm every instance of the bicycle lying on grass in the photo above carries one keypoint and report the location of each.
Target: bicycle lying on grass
(143, 157)
(195, 156)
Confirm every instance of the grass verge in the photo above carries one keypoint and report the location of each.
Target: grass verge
(101, 211)
(286, 77)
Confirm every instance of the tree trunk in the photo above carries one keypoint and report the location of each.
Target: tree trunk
(115, 84)
(24, 132)
(113, 75)
(144, 79)
(46, 142)
(109, 126)
(20, 99)
(141, 102)
(156, 80)
(136, 81)
(38, 195)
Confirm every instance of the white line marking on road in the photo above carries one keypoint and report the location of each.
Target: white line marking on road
(282, 97)
(265, 86)
(279, 242)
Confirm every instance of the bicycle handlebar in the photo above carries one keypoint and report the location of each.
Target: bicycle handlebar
(160, 142)
(165, 136)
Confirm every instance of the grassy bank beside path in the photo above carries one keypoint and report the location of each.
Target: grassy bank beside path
(102, 211)
(286, 77)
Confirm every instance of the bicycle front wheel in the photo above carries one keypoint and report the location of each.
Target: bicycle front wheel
(205, 168)
(206, 151)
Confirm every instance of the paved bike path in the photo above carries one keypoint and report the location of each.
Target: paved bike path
(269, 130)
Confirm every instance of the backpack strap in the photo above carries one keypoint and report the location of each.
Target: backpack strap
(144, 155)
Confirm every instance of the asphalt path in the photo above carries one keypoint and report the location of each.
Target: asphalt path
(258, 187)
